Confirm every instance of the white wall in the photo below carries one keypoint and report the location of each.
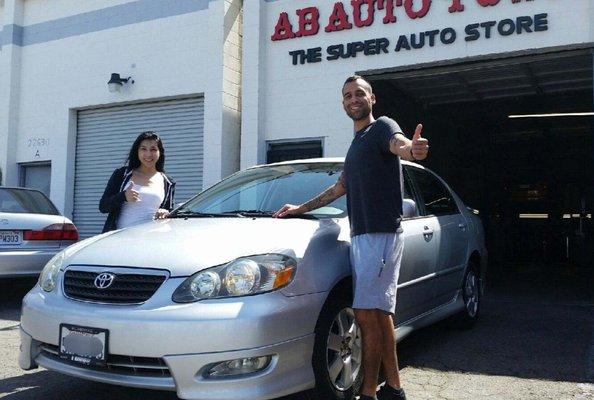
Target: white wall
(304, 100)
(1, 13)
(223, 160)
(37, 11)
(232, 86)
(167, 57)
(10, 59)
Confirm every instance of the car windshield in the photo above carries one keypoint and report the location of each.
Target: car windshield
(263, 190)
(23, 201)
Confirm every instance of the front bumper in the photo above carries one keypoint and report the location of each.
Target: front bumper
(187, 337)
(289, 372)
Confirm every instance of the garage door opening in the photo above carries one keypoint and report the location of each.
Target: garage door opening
(513, 138)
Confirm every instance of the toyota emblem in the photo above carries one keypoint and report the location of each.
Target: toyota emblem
(104, 280)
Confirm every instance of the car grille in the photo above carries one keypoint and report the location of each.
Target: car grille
(125, 289)
(117, 364)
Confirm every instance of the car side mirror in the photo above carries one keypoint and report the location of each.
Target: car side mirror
(409, 208)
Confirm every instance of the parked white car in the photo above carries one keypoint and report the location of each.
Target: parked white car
(31, 232)
(222, 301)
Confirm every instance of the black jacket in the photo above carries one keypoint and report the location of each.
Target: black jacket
(114, 196)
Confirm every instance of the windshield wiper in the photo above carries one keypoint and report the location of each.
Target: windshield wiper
(195, 214)
(236, 214)
(262, 213)
(302, 216)
(251, 213)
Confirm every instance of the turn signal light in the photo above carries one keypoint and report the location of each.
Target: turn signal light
(284, 277)
(53, 232)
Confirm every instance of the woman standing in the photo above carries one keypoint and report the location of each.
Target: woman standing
(140, 191)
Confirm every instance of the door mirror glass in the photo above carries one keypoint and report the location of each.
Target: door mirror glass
(409, 208)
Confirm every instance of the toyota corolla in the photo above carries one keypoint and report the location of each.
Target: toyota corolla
(222, 301)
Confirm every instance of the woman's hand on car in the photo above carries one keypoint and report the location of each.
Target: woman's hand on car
(161, 213)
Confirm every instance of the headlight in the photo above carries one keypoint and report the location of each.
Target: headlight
(241, 277)
(47, 278)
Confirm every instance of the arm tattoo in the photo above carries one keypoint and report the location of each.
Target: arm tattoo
(326, 197)
(341, 180)
(397, 142)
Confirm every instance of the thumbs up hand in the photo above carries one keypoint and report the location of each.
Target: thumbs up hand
(419, 146)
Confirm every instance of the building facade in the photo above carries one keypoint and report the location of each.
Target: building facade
(59, 123)
(503, 88)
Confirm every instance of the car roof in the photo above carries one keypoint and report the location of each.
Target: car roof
(27, 189)
(19, 188)
(337, 160)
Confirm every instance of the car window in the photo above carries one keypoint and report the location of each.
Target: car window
(407, 192)
(25, 201)
(269, 188)
(435, 196)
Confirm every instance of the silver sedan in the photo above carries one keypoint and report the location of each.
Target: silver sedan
(222, 301)
(31, 232)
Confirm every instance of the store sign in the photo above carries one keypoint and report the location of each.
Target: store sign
(363, 13)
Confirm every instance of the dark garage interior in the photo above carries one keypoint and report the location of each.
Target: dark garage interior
(513, 137)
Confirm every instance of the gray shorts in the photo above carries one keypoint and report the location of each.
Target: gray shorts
(375, 263)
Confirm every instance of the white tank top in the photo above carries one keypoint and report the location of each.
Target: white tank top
(138, 212)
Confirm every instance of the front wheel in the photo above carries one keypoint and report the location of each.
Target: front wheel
(337, 351)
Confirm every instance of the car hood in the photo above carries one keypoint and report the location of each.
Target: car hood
(186, 246)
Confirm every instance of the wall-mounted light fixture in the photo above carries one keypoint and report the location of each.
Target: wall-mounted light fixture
(116, 82)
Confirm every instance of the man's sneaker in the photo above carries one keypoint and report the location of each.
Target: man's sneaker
(387, 392)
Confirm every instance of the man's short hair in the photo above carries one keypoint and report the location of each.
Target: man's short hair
(354, 78)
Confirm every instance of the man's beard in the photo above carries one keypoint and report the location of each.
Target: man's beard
(359, 114)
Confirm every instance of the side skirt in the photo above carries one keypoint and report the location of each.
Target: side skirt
(430, 317)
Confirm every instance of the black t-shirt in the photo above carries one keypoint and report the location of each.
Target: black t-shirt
(373, 177)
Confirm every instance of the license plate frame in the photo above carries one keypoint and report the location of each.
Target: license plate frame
(11, 238)
(84, 345)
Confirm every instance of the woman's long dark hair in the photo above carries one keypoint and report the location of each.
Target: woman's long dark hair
(134, 161)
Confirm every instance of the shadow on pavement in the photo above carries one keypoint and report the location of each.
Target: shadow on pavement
(53, 386)
(49, 385)
(526, 330)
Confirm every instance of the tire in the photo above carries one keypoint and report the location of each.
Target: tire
(337, 349)
(471, 294)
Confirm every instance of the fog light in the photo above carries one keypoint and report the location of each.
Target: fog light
(241, 366)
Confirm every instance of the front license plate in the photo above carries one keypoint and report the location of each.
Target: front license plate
(83, 345)
(8, 238)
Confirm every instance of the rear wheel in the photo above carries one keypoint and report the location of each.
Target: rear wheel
(471, 296)
(337, 351)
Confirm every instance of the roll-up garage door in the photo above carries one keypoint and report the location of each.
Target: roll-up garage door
(105, 136)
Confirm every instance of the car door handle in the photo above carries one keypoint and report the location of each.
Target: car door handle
(427, 233)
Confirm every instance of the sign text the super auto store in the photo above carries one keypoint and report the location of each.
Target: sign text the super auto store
(363, 13)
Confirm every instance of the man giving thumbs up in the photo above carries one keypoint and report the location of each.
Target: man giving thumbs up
(372, 182)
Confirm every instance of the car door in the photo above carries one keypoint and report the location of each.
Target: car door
(421, 236)
(439, 205)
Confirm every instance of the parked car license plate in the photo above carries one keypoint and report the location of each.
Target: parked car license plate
(83, 345)
(8, 238)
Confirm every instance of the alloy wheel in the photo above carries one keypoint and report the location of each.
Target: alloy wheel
(471, 294)
(343, 355)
